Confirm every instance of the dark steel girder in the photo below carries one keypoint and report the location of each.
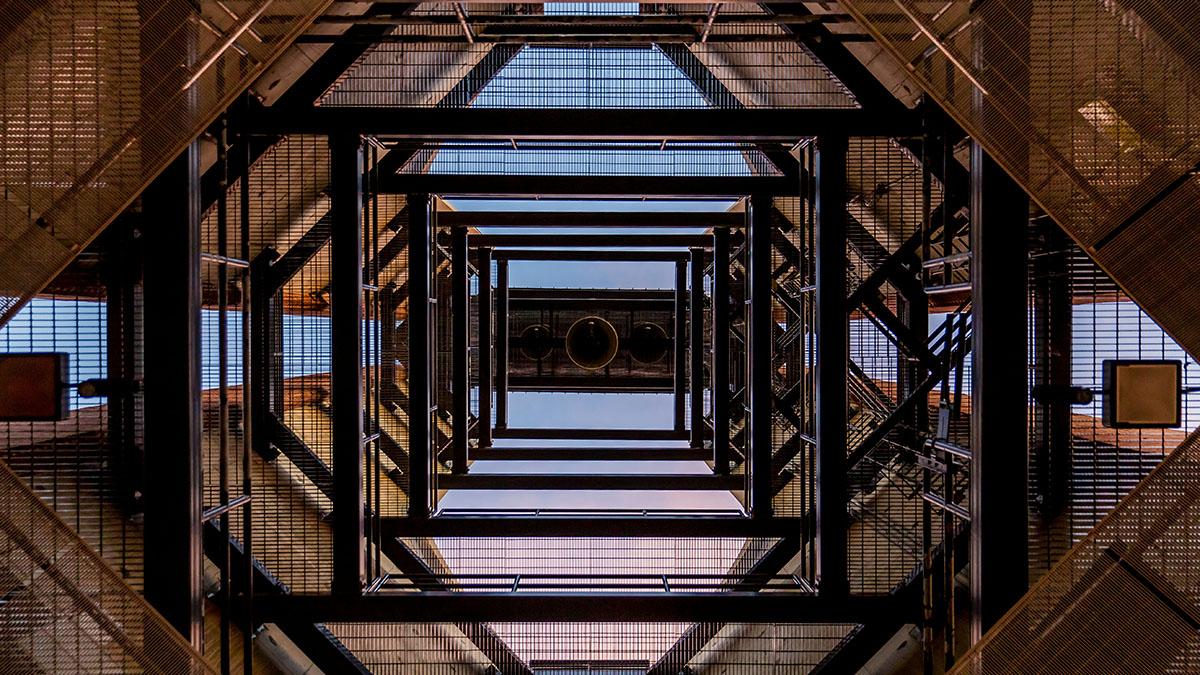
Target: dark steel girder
(440, 606)
(784, 125)
(590, 240)
(672, 526)
(587, 186)
(638, 219)
(591, 481)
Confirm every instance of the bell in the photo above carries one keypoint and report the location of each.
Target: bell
(591, 343)
(647, 343)
(537, 341)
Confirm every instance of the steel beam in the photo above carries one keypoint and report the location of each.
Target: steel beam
(502, 292)
(758, 354)
(553, 219)
(680, 370)
(346, 387)
(510, 186)
(553, 526)
(696, 346)
(833, 355)
(460, 355)
(420, 400)
(566, 303)
(590, 240)
(485, 347)
(123, 258)
(719, 377)
(439, 606)
(584, 383)
(1052, 332)
(746, 124)
(577, 454)
(576, 294)
(593, 434)
(592, 481)
(173, 422)
(999, 401)
(586, 255)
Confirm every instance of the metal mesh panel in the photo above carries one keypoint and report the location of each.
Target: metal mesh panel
(87, 466)
(66, 611)
(582, 564)
(1090, 106)
(591, 159)
(547, 61)
(97, 97)
(616, 648)
(1124, 599)
(1073, 487)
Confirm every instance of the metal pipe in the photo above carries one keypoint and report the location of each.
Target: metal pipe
(708, 22)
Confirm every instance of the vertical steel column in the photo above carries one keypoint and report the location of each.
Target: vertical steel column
(419, 399)
(758, 355)
(680, 346)
(172, 402)
(389, 297)
(696, 346)
(123, 264)
(485, 347)
(346, 388)
(833, 355)
(1052, 346)
(501, 343)
(264, 317)
(999, 394)
(719, 376)
(460, 346)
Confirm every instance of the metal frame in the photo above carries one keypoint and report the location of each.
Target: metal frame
(696, 346)
(679, 524)
(999, 394)
(833, 355)
(172, 402)
(420, 400)
(439, 606)
(746, 124)
(553, 219)
(534, 186)
(346, 387)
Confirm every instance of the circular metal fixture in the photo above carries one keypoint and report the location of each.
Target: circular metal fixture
(591, 343)
(537, 341)
(647, 342)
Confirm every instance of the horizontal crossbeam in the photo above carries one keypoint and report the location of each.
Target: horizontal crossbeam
(584, 481)
(591, 219)
(748, 124)
(676, 525)
(737, 607)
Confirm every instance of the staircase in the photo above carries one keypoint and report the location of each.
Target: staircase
(1088, 105)
(64, 610)
(71, 169)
